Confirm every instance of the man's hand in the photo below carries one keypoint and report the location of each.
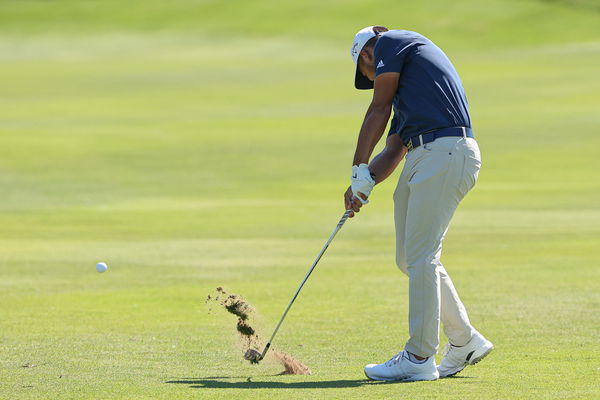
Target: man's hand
(362, 184)
(351, 202)
(362, 181)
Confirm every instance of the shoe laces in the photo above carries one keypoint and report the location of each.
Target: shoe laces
(395, 360)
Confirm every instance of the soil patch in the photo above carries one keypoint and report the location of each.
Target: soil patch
(291, 365)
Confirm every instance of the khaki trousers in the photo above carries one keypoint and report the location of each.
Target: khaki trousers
(435, 178)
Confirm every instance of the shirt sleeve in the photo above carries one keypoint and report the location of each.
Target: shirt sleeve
(394, 125)
(389, 57)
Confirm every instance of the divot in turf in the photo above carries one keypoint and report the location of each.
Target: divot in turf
(239, 307)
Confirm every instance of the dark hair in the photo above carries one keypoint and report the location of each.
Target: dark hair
(371, 42)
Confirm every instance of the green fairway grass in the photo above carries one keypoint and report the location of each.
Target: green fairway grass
(197, 144)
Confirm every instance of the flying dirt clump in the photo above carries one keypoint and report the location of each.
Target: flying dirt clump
(244, 329)
(236, 306)
(239, 307)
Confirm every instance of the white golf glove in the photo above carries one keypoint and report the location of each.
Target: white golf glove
(362, 181)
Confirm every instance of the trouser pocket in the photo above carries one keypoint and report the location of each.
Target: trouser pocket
(470, 173)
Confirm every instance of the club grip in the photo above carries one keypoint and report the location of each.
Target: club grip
(344, 218)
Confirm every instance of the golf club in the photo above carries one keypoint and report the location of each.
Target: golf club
(254, 356)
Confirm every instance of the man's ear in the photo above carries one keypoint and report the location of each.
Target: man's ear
(367, 54)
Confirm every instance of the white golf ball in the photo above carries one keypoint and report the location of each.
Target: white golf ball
(101, 267)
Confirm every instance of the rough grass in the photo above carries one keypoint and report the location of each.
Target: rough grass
(188, 164)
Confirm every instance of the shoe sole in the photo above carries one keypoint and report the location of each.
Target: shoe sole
(471, 362)
(415, 378)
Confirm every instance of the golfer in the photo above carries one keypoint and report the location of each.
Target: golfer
(432, 128)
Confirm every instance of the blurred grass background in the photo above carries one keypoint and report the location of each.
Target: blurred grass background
(193, 144)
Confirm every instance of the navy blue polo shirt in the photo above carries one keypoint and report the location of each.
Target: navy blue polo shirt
(430, 94)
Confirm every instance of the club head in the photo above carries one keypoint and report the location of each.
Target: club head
(254, 356)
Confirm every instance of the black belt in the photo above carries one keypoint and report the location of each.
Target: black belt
(429, 137)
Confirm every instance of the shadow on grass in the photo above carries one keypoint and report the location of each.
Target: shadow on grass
(248, 383)
(219, 382)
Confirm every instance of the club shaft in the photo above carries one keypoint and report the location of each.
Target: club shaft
(335, 231)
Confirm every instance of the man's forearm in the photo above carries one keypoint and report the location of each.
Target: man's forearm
(370, 133)
(385, 163)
